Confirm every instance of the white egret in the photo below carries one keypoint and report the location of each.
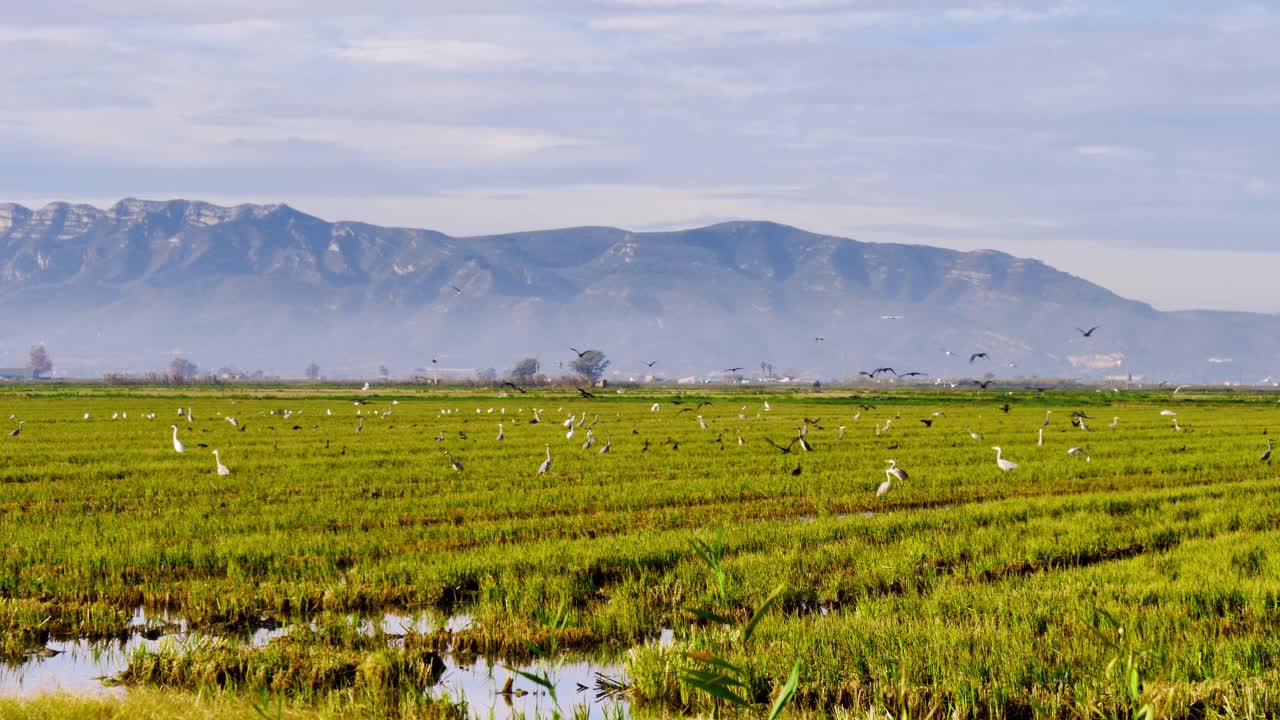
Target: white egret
(972, 434)
(1040, 437)
(569, 435)
(222, 469)
(177, 444)
(1115, 420)
(702, 423)
(1003, 464)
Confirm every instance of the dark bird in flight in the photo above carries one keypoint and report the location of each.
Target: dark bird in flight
(703, 404)
(911, 374)
(868, 374)
(866, 407)
(651, 364)
(456, 289)
(585, 394)
(732, 369)
(977, 355)
(685, 410)
(513, 386)
(784, 450)
(1004, 408)
(928, 422)
(889, 370)
(1089, 332)
(580, 352)
(984, 384)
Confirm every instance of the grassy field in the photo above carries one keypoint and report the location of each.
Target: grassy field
(1145, 577)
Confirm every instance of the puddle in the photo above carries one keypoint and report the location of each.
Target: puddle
(577, 684)
(81, 666)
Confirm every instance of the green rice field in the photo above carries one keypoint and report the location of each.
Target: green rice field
(1138, 578)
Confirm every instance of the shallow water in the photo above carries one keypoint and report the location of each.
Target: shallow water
(81, 667)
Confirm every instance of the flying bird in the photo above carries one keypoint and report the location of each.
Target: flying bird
(977, 355)
(732, 369)
(1089, 332)
(585, 394)
(513, 386)
(580, 352)
(456, 289)
(984, 384)
(651, 364)
(784, 450)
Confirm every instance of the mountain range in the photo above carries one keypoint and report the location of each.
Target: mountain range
(267, 286)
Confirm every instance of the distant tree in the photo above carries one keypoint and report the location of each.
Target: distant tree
(181, 368)
(488, 375)
(313, 371)
(38, 360)
(590, 365)
(525, 370)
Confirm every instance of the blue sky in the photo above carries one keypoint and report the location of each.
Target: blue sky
(1130, 143)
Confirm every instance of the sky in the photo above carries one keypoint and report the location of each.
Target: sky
(1131, 143)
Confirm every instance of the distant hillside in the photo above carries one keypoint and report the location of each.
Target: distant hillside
(267, 286)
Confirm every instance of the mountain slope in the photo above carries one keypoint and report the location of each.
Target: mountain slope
(267, 286)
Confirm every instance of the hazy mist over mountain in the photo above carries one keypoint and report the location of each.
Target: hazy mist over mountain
(267, 287)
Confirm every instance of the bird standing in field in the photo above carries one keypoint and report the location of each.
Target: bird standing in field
(1266, 456)
(177, 444)
(457, 466)
(1080, 452)
(972, 434)
(546, 464)
(18, 430)
(608, 443)
(891, 472)
(1003, 464)
(222, 469)
(500, 435)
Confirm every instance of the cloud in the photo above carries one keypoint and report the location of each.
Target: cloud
(443, 55)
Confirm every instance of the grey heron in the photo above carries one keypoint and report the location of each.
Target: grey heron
(1003, 464)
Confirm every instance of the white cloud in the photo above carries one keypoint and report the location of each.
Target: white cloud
(433, 55)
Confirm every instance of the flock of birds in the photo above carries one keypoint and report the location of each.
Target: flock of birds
(576, 422)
